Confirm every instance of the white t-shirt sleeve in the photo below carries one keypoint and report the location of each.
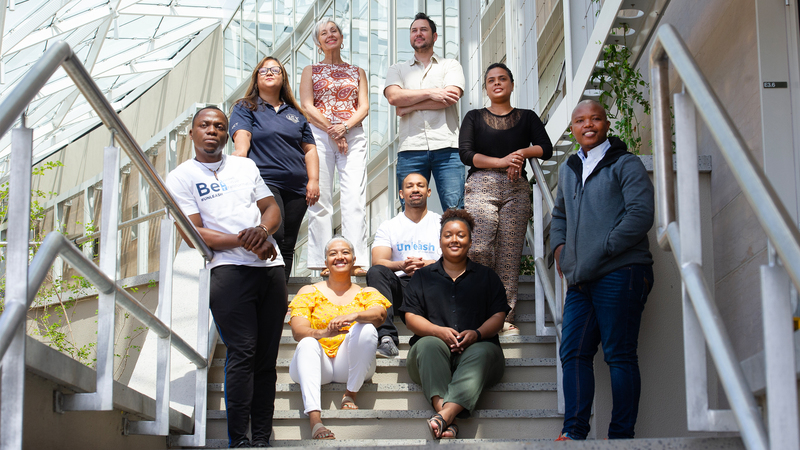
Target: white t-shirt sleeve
(382, 238)
(262, 191)
(181, 189)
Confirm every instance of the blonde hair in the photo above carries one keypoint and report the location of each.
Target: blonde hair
(318, 28)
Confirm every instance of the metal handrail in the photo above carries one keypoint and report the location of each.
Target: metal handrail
(550, 296)
(28, 276)
(772, 215)
(541, 267)
(55, 245)
(61, 55)
(542, 183)
(543, 204)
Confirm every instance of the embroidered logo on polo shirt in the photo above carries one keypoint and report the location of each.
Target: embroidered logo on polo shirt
(293, 118)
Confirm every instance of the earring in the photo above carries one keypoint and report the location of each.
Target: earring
(319, 50)
(341, 47)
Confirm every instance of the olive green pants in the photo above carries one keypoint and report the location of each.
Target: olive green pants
(455, 378)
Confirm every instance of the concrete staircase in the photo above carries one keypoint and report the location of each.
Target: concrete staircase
(393, 411)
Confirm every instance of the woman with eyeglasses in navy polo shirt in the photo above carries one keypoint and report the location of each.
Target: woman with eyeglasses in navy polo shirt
(268, 126)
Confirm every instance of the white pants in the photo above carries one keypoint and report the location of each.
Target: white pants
(354, 363)
(352, 196)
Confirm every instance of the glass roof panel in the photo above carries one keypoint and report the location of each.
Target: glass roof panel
(142, 27)
(169, 24)
(165, 53)
(35, 25)
(77, 9)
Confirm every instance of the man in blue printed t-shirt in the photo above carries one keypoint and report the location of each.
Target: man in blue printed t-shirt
(402, 245)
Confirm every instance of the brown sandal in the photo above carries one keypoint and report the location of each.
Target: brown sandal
(440, 423)
(319, 432)
(453, 429)
(358, 272)
(325, 273)
(348, 403)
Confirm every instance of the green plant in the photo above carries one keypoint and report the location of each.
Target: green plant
(53, 310)
(620, 84)
(527, 265)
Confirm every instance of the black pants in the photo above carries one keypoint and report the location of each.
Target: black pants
(293, 208)
(391, 286)
(249, 305)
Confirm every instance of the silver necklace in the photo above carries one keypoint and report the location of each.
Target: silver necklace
(214, 171)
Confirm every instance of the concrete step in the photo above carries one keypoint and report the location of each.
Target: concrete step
(400, 424)
(393, 408)
(392, 396)
(393, 370)
(522, 346)
(509, 444)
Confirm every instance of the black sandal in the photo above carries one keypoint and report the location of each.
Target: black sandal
(439, 420)
(452, 428)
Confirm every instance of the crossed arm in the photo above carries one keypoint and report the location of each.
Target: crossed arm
(409, 100)
(253, 239)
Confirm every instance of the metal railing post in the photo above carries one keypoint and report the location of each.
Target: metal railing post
(106, 308)
(19, 218)
(537, 238)
(691, 251)
(160, 426)
(198, 439)
(103, 398)
(779, 358)
(662, 143)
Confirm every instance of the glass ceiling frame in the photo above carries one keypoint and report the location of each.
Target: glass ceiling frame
(127, 46)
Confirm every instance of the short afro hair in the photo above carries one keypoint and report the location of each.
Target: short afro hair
(460, 215)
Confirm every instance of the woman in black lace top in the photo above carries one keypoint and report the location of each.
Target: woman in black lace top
(495, 142)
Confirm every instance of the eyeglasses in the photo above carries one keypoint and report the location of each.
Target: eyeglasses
(274, 69)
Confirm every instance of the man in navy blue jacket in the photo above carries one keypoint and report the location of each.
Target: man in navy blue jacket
(604, 209)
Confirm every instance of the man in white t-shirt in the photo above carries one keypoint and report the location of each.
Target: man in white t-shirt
(402, 245)
(234, 212)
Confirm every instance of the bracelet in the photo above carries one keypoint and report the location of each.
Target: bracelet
(264, 227)
(346, 130)
(480, 337)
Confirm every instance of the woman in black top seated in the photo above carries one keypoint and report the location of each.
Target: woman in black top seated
(495, 142)
(455, 308)
(268, 126)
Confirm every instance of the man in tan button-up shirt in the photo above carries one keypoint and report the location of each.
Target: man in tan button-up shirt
(425, 91)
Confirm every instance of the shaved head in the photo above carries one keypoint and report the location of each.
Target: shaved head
(589, 124)
(594, 104)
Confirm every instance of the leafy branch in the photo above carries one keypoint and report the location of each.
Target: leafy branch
(620, 84)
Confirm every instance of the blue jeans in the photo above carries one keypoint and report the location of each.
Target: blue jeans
(448, 171)
(607, 311)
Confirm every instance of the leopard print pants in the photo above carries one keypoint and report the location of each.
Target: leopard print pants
(501, 209)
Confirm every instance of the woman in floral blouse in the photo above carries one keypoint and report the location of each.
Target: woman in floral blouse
(334, 322)
(335, 98)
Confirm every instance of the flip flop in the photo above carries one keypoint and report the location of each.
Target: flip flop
(452, 428)
(320, 432)
(359, 272)
(325, 273)
(348, 403)
(439, 420)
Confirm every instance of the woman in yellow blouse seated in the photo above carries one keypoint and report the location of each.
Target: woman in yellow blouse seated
(335, 323)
